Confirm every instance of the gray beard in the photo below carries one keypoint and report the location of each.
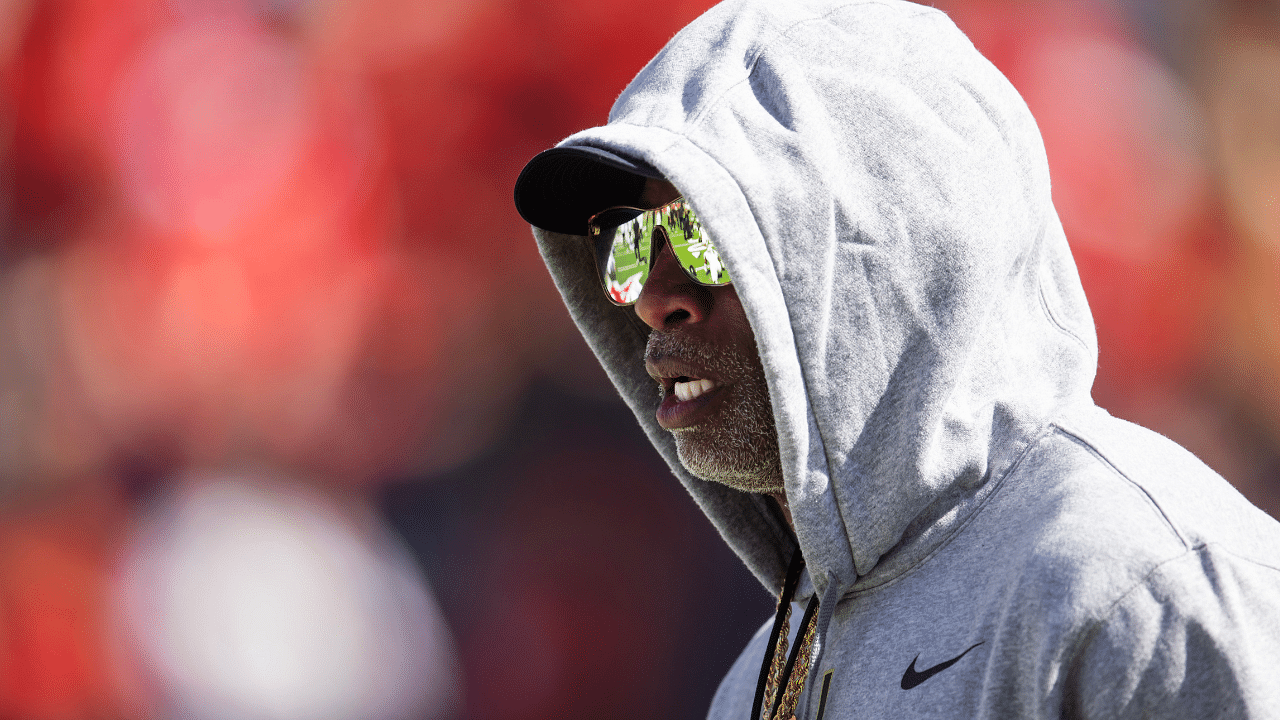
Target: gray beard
(739, 447)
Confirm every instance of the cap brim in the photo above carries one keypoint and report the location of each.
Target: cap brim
(561, 188)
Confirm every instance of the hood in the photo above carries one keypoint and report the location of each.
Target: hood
(880, 195)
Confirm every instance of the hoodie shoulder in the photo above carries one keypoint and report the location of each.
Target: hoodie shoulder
(1198, 504)
(1113, 575)
(1098, 505)
(1197, 638)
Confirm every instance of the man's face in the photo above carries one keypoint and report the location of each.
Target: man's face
(703, 354)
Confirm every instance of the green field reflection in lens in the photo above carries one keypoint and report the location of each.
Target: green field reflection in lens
(691, 246)
(623, 241)
(624, 268)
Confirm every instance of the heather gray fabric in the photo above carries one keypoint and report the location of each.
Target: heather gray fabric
(880, 196)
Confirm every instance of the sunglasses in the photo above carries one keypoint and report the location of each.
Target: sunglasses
(626, 243)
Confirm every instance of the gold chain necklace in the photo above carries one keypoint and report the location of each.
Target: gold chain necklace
(779, 687)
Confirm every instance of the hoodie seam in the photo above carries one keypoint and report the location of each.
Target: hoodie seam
(998, 484)
(1098, 454)
(764, 45)
(1053, 318)
(1093, 627)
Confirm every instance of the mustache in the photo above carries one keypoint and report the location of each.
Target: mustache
(677, 345)
(726, 363)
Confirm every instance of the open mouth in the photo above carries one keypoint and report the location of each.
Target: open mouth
(687, 388)
(688, 398)
(688, 401)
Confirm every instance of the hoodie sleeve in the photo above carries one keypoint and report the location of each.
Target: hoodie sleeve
(1199, 638)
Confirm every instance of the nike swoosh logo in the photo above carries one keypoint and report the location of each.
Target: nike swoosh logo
(913, 677)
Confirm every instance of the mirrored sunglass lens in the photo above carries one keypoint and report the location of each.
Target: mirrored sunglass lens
(622, 254)
(691, 246)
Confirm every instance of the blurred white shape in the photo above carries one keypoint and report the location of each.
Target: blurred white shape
(252, 600)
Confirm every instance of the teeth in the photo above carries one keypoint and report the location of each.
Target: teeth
(686, 391)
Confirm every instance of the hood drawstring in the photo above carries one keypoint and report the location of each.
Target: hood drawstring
(830, 598)
(781, 686)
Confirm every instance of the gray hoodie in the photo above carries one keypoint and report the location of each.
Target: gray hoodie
(880, 195)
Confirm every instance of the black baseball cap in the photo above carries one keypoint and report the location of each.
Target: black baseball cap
(561, 188)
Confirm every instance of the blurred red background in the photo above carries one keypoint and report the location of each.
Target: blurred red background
(274, 238)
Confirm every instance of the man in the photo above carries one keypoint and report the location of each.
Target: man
(891, 375)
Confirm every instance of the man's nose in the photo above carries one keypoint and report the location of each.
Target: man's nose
(670, 298)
